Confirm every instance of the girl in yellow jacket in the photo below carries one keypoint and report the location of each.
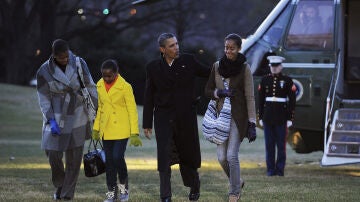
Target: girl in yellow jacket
(116, 122)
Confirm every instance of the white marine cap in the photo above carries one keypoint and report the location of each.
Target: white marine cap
(274, 59)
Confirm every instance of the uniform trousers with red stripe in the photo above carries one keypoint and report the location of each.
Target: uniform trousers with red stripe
(275, 139)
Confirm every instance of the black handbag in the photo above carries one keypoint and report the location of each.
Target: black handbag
(94, 160)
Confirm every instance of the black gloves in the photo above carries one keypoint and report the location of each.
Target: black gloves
(225, 93)
(251, 131)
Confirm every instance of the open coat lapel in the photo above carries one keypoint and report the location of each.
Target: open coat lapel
(118, 86)
(59, 75)
(71, 69)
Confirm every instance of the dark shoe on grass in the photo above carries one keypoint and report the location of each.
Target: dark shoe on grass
(194, 193)
(194, 196)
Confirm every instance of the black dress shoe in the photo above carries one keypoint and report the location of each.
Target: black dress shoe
(194, 196)
(195, 191)
(168, 199)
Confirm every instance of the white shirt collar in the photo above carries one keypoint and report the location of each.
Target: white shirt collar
(172, 61)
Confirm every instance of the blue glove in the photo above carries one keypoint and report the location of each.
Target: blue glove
(251, 132)
(225, 93)
(54, 127)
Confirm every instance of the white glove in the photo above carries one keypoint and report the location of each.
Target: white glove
(288, 124)
(261, 123)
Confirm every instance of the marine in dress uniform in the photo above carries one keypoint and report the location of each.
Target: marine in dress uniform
(276, 112)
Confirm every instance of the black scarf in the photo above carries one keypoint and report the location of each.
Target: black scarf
(52, 60)
(229, 68)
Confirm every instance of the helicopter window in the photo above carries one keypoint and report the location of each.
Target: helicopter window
(312, 26)
(257, 55)
(274, 33)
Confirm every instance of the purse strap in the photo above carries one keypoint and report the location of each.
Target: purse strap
(226, 85)
(80, 72)
(84, 91)
(95, 144)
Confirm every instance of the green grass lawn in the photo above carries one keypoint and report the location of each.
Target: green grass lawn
(27, 176)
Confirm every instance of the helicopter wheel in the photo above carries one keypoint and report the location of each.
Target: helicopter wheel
(303, 141)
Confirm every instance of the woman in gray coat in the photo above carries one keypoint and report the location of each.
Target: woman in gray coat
(66, 125)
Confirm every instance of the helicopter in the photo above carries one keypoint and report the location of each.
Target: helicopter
(319, 40)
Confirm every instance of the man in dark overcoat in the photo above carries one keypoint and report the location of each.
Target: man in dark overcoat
(170, 98)
(66, 125)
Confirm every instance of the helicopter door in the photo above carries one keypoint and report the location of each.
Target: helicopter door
(308, 46)
(352, 42)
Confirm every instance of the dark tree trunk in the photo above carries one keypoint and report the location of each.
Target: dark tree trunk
(27, 27)
(47, 34)
(14, 40)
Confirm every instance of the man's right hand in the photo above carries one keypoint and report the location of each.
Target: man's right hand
(147, 133)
